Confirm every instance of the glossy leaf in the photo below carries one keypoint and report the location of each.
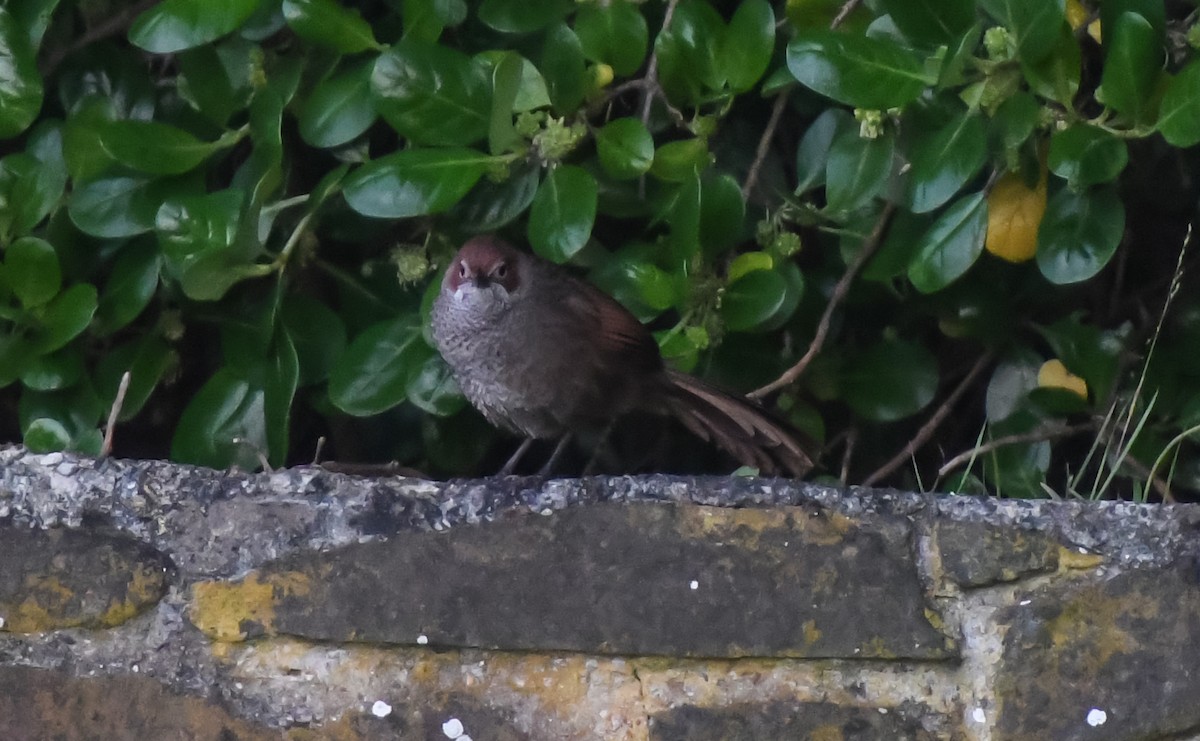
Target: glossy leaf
(114, 207)
(753, 300)
(891, 380)
(330, 24)
(722, 213)
(65, 317)
(687, 51)
(1056, 75)
(20, 81)
(951, 246)
(1079, 234)
(31, 269)
(432, 388)
(130, 287)
(856, 70)
(625, 148)
(522, 16)
(225, 423)
(371, 376)
(506, 83)
(561, 217)
(680, 160)
(174, 25)
(414, 182)
(190, 227)
(432, 94)
(749, 44)
(491, 205)
(856, 168)
(1133, 63)
(1015, 212)
(614, 34)
(58, 370)
(931, 22)
(155, 148)
(339, 109)
(812, 155)
(318, 334)
(1085, 155)
(1181, 108)
(944, 160)
(563, 67)
(46, 435)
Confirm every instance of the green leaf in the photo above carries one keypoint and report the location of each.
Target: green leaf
(1034, 24)
(678, 161)
(115, 207)
(951, 246)
(944, 160)
(34, 16)
(156, 148)
(339, 109)
(722, 214)
(327, 23)
(130, 287)
(749, 44)
(431, 94)
(1016, 119)
(812, 155)
(174, 25)
(1133, 63)
(20, 81)
(856, 169)
(414, 182)
(506, 82)
(188, 227)
(424, 19)
(1079, 234)
(522, 16)
(1056, 75)
(614, 34)
(856, 70)
(491, 205)
(57, 370)
(1085, 155)
(931, 22)
(81, 141)
(432, 388)
(64, 318)
(562, 214)
(281, 373)
(32, 270)
(206, 82)
(46, 435)
(687, 51)
(892, 380)
(147, 359)
(224, 424)
(562, 65)
(372, 375)
(1181, 108)
(625, 148)
(318, 334)
(753, 300)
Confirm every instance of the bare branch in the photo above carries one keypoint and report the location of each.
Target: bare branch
(1034, 436)
(113, 413)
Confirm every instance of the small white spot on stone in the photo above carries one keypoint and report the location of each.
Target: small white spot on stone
(1024, 602)
(135, 668)
(1096, 717)
(422, 639)
(978, 715)
(1, 623)
(464, 737)
(381, 709)
(453, 728)
(694, 584)
(882, 711)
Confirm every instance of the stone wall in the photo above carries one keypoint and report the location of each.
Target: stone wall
(142, 600)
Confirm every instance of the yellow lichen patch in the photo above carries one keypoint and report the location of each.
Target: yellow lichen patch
(812, 633)
(1014, 214)
(1054, 375)
(46, 606)
(1069, 559)
(744, 527)
(146, 586)
(827, 732)
(1077, 15)
(222, 609)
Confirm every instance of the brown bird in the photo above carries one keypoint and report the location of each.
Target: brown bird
(544, 354)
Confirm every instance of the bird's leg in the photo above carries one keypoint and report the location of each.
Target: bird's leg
(558, 451)
(590, 468)
(516, 458)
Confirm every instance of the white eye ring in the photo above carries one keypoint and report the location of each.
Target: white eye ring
(462, 270)
(501, 270)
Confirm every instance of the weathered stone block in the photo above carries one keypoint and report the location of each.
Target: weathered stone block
(800, 720)
(974, 554)
(647, 579)
(63, 578)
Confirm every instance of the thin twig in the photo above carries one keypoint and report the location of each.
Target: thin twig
(764, 144)
(781, 100)
(931, 425)
(113, 413)
(1034, 436)
(869, 246)
(651, 89)
(109, 27)
(847, 455)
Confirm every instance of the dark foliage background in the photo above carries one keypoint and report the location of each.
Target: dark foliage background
(947, 240)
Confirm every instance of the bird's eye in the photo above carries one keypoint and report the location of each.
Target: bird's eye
(462, 270)
(501, 271)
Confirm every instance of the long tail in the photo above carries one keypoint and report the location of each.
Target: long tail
(736, 425)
